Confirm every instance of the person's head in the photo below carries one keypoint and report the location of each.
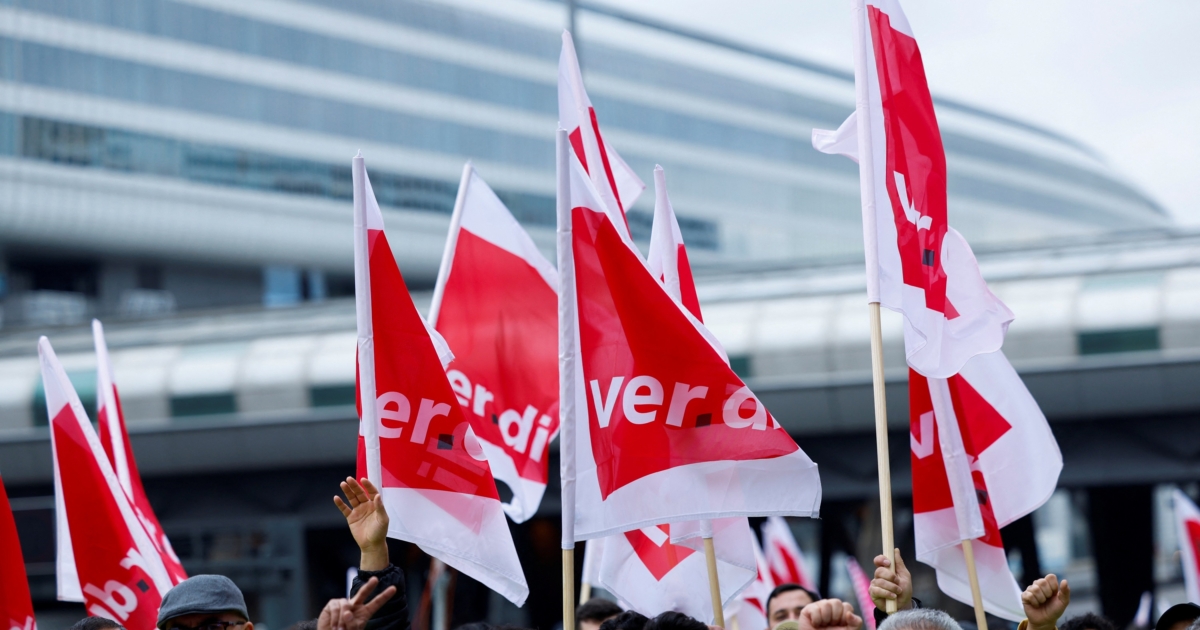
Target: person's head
(204, 601)
(628, 620)
(96, 623)
(594, 612)
(785, 602)
(672, 620)
(1178, 617)
(1087, 621)
(919, 619)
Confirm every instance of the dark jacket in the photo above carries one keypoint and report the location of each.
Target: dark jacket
(394, 614)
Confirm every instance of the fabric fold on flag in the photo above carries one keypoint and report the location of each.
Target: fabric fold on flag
(118, 571)
(1187, 527)
(617, 185)
(656, 568)
(909, 245)
(667, 258)
(417, 445)
(983, 456)
(665, 431)
(16, 606)
(496, 306)
(783, 555)
(115, 439)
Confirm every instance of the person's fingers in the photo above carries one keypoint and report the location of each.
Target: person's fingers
(825, 610)
(1064, 593)
(342, 507)
(363, 497)
(884, 573)
(370, 487)
(887, 586)
(351, 497)
(900, 568)
(1052, 580)
(346, 621)
(882, 561)
(375, 604)
(1033, 594)
(365, 592)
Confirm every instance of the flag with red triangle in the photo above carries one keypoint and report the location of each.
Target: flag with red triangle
(1187, 527)
(783, 555)
(115, 439)
(983, 456)
(417, 445)
(909, 247)
(16, 606)
(106, 559)
(617, 185)
(495, 305)
(664, 430)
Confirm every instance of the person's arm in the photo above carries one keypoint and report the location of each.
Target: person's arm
(890, 585)
(368, 522)
(1045, 601)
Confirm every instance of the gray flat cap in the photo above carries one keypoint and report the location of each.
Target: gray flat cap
(202, 594)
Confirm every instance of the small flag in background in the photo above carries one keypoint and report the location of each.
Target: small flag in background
(16, 607)
(982, 457)
(1187, 523)
(495, 304)
(115, 440)
(105, 557)
(749, 611)
(916, 264)
(418, 446)
(862, 591)
(668, 259)
(783, 555)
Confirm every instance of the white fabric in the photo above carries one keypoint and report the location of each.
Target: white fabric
(1001, 594)
(749, 610)
(1185, 512)
(665, 239)
(684, 587)
(843, 141)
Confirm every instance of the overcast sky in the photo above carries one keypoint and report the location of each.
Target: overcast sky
(1121, 76)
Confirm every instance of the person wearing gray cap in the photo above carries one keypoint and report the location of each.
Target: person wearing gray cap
(204, 602)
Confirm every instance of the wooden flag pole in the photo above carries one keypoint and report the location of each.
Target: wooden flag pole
(714, 586)
(881, 444)
(976, 596)
(585, 593)
(568, 589)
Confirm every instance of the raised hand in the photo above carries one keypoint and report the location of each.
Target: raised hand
(1045, 601)
(353, 613)
(829, 614)
(368, 521)
(889, 584)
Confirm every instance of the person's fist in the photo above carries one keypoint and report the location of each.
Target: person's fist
(891, 584)
(1045, 601)
(829, 614)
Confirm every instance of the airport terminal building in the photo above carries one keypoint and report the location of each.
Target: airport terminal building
(181, 169)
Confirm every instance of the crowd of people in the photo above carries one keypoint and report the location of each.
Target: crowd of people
(377, 600)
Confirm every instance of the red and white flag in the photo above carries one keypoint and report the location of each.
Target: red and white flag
(862, 591)
(664, 431)
(783, 555)
(660, 567)
(616, 184)
(418, 446)
(909, 251)
(495, 304)
(115, 440)
(16, 607)
(105, 557)
(1187, 523)
(667, 258)
(749, 610)
(983, 456)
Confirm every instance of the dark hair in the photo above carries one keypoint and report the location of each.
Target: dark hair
(96, 623)
(1087, 621)
(597, 609)
(788, 587)
(628, 620)
(672, 620)
(307, 624)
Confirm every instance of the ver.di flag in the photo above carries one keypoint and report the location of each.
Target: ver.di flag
(664, 430)
(16, 607)
(495, 305)
(1187, 524)
(667, 258)
(115, 440)
(417, 445)
(983, 456)
(907, 237)
(105, 557)
(616, 184)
